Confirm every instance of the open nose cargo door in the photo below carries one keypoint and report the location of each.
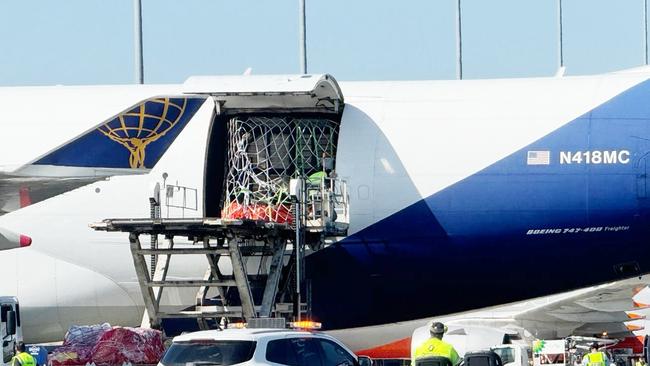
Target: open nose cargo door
(270, 187)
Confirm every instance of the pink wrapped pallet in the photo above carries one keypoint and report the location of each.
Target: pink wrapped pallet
(106, 345)
(78, 344)
(134, 345)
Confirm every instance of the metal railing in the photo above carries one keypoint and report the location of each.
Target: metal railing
(185, 198)
(327, 204)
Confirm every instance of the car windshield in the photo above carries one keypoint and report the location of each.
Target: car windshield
(208, 352)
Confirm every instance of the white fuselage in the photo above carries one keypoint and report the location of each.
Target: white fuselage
(399, 142)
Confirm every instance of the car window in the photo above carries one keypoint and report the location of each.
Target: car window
(507, 354)
(334, 355)
(294, 352)
(281, 351)
(223, 353)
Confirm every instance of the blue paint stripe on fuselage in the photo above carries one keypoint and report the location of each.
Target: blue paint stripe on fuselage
(474, 244)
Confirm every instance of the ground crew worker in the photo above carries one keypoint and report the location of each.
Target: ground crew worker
(435, 346)
(22, 358)
(595, 357)
(316, 178)
(640, 362)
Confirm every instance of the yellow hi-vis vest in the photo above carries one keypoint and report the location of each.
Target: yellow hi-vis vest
(23, 359)
(436, 347)
(316, 178)
(595, 359)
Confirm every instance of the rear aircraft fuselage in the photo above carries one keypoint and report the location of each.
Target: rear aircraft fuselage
(555, 200)
(463, 195)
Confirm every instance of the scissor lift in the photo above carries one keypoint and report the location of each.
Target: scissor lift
(232, 241)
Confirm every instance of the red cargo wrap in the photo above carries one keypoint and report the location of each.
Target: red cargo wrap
(104, 345)
(78, 344)
(134, 345)
(276, 213)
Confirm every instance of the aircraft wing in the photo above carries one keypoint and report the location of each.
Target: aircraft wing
(131, 142)
(606, 308)
(586, 312)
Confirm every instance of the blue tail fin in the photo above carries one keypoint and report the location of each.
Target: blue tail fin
(134, 139)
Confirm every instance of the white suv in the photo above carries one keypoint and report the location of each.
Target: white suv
(257, 347)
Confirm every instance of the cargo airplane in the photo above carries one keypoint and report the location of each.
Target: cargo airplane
(464, 196)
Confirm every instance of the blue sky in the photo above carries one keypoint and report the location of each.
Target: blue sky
(91, 41)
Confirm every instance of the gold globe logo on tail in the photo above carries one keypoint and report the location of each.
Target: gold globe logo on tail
(136, 129)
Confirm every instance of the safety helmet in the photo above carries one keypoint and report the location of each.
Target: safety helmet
(438, 328)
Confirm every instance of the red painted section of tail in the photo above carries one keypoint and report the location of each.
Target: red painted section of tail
(397, 349)
(25, 199)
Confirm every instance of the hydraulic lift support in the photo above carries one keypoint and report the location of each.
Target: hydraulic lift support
(322, 217)
(217, 239)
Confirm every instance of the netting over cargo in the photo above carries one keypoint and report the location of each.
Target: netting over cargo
(264, 153)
